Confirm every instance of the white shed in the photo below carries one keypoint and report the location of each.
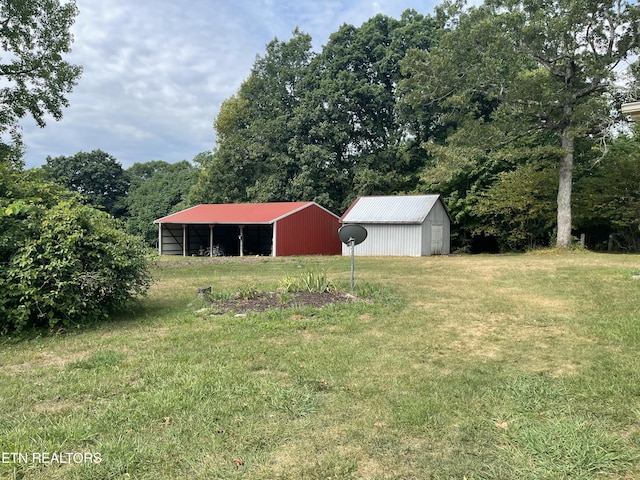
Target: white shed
(407, 225)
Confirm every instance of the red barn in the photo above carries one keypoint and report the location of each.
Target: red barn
(276, 229)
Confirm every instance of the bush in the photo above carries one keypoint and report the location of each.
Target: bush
(75, 266)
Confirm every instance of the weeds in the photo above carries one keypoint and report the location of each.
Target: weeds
(317, 281)
(289, 284)
(309, 281)
(247, 292)
(284, 297)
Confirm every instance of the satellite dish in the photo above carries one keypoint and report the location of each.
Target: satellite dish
(352, 233)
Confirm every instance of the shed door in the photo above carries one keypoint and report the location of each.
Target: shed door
(436, 239)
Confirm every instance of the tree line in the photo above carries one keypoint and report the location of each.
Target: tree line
(509, 110)
(137, 195)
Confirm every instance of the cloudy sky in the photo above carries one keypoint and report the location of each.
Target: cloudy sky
(157, 71)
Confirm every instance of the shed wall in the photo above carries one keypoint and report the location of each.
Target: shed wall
(310, 231)
(197, 238)
(425, 245)
(172, 239)
(389, 240)
(437, 217)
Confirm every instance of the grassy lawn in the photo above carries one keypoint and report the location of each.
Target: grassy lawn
(460, 367)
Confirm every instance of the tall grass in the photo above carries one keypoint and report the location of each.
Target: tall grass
(477, 367)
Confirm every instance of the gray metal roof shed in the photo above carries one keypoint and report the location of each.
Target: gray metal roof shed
(402, 225)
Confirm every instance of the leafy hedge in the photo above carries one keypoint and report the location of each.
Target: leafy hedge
(63, 263)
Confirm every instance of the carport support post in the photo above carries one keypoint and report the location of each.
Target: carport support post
(159, 239)
(241, 237)
(211, 240)
(184, 240)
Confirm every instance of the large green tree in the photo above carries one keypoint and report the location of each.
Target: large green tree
(95, 175)
(511, 69)
(578, 45)
(251, 160)
(320, 127)
(34, 37)
(450, 94)
(350, 138)
(157, 189)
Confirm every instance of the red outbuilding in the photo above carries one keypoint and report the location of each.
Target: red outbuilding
(276, 229)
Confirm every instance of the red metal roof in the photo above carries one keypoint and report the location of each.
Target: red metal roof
(235, 213)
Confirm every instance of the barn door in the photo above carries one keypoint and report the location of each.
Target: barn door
(436, 239)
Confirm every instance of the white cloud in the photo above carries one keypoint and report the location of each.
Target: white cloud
(156, 72)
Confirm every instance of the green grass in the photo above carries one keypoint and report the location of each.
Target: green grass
(476, 367)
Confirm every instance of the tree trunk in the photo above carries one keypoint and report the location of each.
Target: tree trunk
(565, 185)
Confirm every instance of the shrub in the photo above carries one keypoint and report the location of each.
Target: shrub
(74, 267)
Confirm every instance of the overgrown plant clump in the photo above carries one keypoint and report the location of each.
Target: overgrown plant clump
(64, 263)
(309, 281)
(247, 292)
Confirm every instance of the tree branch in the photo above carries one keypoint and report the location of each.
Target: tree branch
(13, 71)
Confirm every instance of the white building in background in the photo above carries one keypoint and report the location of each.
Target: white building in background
(632, 109)
(403, 225)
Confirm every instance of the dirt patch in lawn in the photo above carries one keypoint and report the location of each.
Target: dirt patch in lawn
(263, 301)
(44, 359)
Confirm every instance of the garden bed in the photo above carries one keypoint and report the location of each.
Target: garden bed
(263, 301)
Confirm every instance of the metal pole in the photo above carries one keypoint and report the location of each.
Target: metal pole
(185, 247)
(241, 237)
(352, 244)
(211, 240)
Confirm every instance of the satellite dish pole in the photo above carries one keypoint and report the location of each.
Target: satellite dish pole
(352, 244)
(352, 235)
